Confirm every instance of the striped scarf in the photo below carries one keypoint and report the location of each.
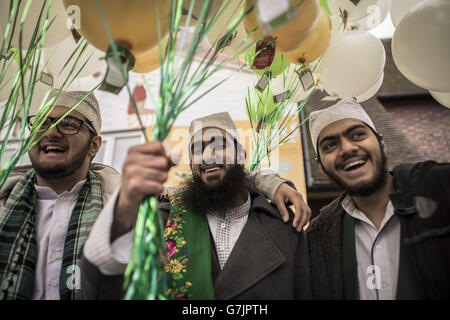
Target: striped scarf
(18, 246)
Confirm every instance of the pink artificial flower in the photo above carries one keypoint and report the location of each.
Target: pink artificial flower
(171, 247)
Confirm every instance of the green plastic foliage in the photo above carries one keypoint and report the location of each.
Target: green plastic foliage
(324, 3)
(261, 104)
(279, 63)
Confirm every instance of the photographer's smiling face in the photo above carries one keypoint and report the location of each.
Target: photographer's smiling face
(213, 153)
(351, 154)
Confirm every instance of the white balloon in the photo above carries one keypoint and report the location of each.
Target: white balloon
(352, 64)
(376, 15)
(39, 91)
(290, 81)
(55, 57)
(372, 91)
(420, 45)
(7, 82)
(336, 24)
(56, 32)
(399, 8)
(219, 29)
(441, 97)
(355, 12)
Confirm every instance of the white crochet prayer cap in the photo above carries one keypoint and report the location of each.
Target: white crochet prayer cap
(220, 120)
(347, 108)
(89, 107)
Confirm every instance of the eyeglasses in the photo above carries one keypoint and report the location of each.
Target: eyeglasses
(67, 126)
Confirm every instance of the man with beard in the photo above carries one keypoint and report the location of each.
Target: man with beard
(47, 211)
(388, 235)
(224, 239)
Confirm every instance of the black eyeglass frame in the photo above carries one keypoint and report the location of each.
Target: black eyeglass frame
(53, 120)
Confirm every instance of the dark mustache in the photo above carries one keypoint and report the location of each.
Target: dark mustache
(206, 166)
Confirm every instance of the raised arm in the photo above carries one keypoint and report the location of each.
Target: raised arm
(282, 192)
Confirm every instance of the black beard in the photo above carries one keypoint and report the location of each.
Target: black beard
(201, 198)
(364, 190)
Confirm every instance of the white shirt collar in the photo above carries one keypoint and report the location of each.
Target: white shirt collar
(47, 193)
(350, 207)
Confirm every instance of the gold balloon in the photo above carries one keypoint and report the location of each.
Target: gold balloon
(132, 23)
(215, 5)
(220, 28)
(150, 61)
(315, 45)
(292, 34)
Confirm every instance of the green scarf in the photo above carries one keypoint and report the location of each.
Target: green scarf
(18, 247)
(188, 261)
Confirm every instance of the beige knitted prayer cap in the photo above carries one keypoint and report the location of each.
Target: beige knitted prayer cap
(220, 120)
(89, 107)
(345, 109)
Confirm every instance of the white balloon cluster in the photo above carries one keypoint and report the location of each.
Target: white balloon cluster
(56, 57)
(363, 14)
(58, 47)
(56, 32)
(354, 62)
(420, 45)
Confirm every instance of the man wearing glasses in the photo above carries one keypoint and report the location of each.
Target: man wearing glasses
(47, 212)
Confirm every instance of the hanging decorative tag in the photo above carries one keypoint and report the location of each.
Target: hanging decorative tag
(8, 54)
(264, 81)
(282, 96)
(259, 126)
(344, 17)
(225, 41)
(114, 81)
(46, 78)
(273, 14)
(185, 12)
(306, 78)
(265, 53)
(76, 36)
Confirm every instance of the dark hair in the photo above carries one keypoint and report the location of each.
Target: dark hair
(377, 135)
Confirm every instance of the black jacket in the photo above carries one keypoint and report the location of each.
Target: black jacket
(422, 204)
(268, 261)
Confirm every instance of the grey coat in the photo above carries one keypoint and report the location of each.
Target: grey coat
(268, 261)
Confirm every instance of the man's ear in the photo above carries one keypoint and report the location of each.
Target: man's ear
(320, 165)
(96, 143)
(321, 169)
(383, 144)
(241, 154)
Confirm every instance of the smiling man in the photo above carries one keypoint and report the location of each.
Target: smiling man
(48, 211)
(224, 239)
(388, 235)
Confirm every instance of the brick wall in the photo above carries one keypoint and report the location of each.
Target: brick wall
(426, 124)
